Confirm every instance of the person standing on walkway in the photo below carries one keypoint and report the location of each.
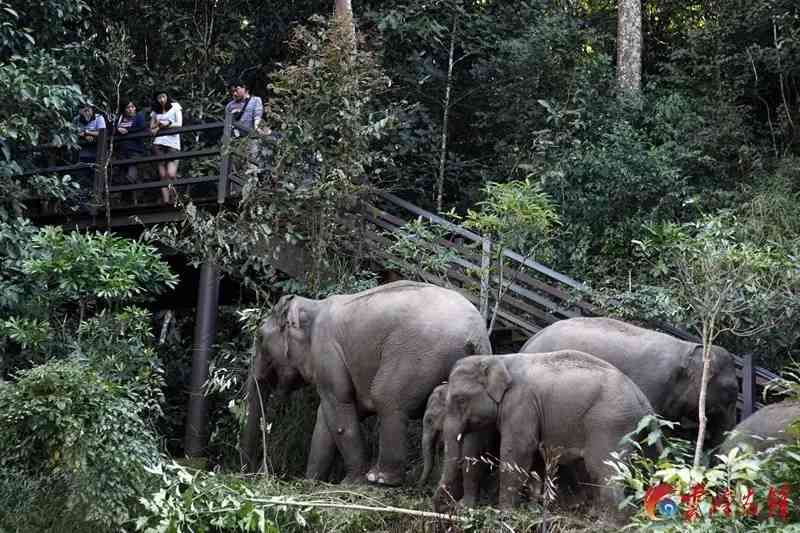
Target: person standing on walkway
(129, 122)
(166, 114)
(90, 123)
(247, 112)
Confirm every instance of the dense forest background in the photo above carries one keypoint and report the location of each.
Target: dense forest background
(453, 95)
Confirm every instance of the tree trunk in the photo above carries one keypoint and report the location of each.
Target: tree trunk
(629, 45)
(251, 446)
(701, 404)
(343, 13)
(446, 115)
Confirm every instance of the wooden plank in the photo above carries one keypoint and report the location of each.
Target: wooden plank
(748, 385)
(164, 183)
(527, 326)
(563, 278)
(430, 216)
(545, 317)
(189, 154)
(53, 170)
(514, 287)
(146, 134)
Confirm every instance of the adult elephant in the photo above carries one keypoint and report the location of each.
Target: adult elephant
(567, 401)
(765, 428)
(668, 370)
(378, 351)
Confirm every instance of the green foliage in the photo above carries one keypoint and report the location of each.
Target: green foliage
(720, 281)
(735, 481)
(200, 501)
(83, 267)
(516, 214)
(66, 426)
(119, 347)
(310, 190)
(416, 249)
(720, 277)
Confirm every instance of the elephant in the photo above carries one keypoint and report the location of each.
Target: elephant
(668, 370)
(765, 428)
(565, 401)
(380, 351)
(476, 445)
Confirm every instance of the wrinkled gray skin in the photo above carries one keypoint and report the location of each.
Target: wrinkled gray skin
(769, 423)
(476, 444)
(567, 401)
(379, 351)
(667, 369)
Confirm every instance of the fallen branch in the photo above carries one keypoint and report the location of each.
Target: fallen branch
(358, 507)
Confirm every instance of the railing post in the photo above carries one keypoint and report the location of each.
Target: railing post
(100, 164)
(486, 261)
(748, 386)
(225, 161)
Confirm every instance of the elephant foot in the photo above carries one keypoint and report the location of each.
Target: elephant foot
(388, 479)
(353, 479)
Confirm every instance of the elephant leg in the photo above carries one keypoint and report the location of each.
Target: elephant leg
(344, 425)
(599, 451)
(323, 449)
(391, 464)
(474, 448)
(517, 452)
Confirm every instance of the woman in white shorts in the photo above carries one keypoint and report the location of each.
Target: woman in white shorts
(166, 114)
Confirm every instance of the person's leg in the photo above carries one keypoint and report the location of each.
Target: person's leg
(163, 175)
(131, 176)
(172, 173)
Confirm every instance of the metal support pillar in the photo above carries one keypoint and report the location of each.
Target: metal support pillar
(205, 329)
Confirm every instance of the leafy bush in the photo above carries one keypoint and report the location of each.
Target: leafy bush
(741, 491)
(64, 426)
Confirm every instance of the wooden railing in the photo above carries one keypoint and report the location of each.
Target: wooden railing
(536, 295)
(106, 161)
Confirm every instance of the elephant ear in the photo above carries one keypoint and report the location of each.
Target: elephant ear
(281, 309)
(496, 378)
(298, 315)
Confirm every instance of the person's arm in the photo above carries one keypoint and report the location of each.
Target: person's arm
(177, 118)
(138, 124)
(154, 125)
(98, 124)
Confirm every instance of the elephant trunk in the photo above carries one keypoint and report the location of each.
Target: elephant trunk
(251, 440)
(429, 441)
(450, 485)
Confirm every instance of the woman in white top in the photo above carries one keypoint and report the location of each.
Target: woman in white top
(166, 114)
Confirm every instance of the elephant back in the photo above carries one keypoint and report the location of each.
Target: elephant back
(766, 427)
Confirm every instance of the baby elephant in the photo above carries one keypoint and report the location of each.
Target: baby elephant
(765, 428)
(566, 401)
(476, 445)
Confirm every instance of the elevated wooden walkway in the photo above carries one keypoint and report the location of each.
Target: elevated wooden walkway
(536, 297)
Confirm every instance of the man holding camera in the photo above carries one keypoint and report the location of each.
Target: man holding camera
(247, 112)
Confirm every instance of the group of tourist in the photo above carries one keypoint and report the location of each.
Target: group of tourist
(166, 114)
